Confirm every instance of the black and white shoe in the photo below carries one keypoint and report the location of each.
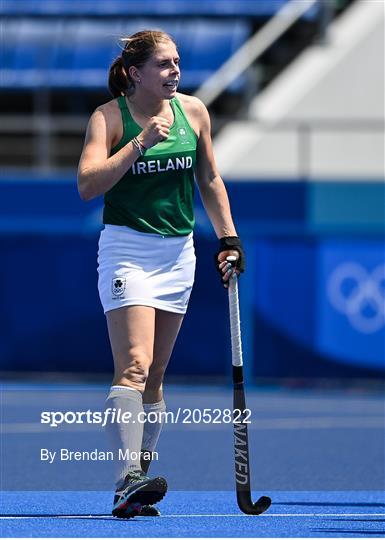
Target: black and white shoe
(138, 491)
(145, 462)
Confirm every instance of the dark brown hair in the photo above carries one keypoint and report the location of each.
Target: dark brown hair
(137, 50)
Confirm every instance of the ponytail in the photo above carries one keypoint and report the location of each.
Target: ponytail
(118, 82)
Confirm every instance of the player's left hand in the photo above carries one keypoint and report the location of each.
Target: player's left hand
(227, 269)
(229, 246)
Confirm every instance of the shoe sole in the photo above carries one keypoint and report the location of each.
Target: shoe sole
(148, 494)
(149, 511)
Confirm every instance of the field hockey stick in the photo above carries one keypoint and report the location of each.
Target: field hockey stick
(241, 442)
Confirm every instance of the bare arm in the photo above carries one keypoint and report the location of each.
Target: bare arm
(97, 172)
(211, 186)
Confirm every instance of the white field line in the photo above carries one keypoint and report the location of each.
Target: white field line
(260, 424)
(267, 515)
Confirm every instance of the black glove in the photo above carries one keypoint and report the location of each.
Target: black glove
(231, 243)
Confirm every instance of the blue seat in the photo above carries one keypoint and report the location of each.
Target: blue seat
(86, 53)
(211, 45)
(29, 48)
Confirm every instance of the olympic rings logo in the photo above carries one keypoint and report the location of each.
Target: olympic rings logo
(359, 294)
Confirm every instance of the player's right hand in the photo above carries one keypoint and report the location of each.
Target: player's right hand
(157, 129)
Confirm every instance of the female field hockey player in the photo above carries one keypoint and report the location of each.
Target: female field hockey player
(141, 151)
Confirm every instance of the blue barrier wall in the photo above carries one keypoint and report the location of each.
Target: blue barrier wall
(319, 306)
(312, 300)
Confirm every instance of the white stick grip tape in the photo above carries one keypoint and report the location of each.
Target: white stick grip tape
(235, 323)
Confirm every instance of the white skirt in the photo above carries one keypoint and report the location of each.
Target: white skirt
(145, 269)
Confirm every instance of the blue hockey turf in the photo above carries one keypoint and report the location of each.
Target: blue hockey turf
(192, 514)
(318, 454)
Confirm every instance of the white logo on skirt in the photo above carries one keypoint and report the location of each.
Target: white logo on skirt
(118, 286)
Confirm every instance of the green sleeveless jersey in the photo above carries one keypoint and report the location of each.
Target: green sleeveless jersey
(156, 194)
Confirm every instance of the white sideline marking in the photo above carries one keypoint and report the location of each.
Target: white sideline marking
(271, 515)
(193, 515)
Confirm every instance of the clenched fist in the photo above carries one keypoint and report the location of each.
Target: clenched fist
(157, 129)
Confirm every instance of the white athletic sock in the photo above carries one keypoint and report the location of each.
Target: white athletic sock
(125, 438)
(152, 429)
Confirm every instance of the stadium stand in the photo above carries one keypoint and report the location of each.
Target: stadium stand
(55, 56)
(323, 115)
(77, 53)
(71, 43)
(221, 8)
